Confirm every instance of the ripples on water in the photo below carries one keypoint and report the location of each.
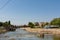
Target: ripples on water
(20, 34)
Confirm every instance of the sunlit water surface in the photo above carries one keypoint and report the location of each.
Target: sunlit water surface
(21, 34)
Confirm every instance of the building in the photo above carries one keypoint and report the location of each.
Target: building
(42, 24)
(51, 26)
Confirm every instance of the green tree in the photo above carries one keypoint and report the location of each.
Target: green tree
(55, 21)
(7, 24)
(1, 24)
(47, 23)
(30, 24)
(36, 24)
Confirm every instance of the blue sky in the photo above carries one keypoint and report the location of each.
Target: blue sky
(22, 11)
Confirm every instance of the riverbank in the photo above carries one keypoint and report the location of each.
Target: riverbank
(43, 31)
(3, 31)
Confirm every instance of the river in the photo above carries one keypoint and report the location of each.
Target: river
(21, 34)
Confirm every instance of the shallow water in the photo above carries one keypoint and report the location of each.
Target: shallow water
(21, 34)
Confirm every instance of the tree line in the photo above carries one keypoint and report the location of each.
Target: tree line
(7, 25)
(55, 21)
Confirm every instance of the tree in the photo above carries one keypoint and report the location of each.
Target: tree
(30, 24)
(55, 21)
(47, 23)
(7, 24)
(1, 23)
(36, 24)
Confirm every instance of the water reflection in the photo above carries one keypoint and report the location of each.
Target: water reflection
(56, 38)
(20, 34)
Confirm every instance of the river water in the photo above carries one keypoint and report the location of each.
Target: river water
(21, 34)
